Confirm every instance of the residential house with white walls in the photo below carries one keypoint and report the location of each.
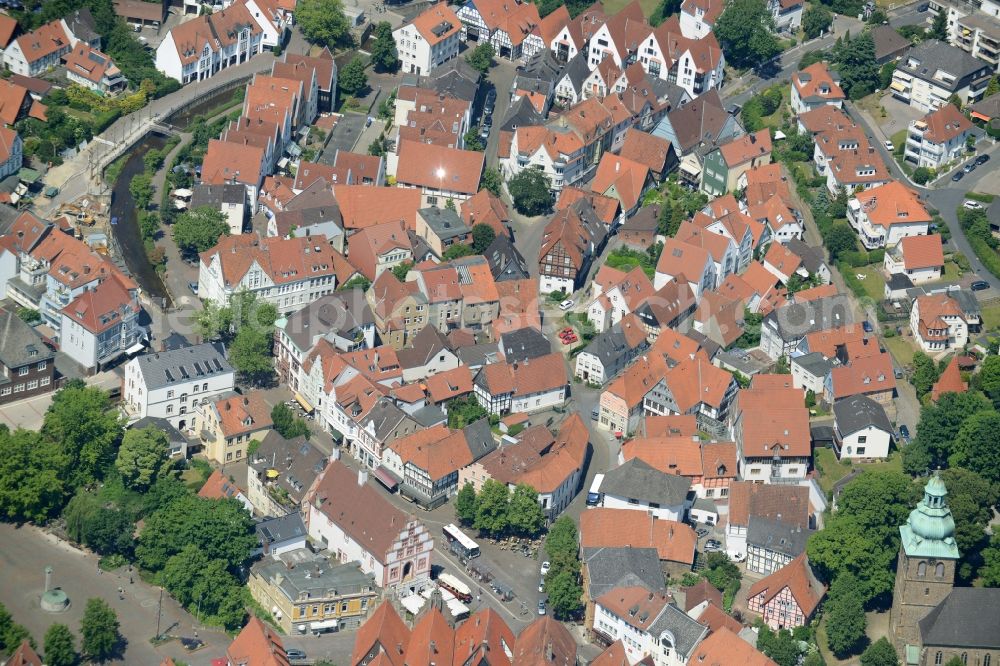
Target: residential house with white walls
(170, 384)
(199, 48)
(938, 138)
(697, 17)
(862, 430)
(938, 323)
(813, 87)
(510, 26)
(431, 39)
(885, 215)
(650, 627)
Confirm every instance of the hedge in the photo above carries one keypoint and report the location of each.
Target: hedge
(986, 254)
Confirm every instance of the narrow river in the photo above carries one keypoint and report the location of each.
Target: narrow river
(126, 231)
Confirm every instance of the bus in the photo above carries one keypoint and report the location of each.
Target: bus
(460, 543)
(594, 494)
(456, 587)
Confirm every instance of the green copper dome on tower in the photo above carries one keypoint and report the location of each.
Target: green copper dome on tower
(930, 529)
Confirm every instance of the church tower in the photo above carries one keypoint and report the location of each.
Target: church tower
(925, 572)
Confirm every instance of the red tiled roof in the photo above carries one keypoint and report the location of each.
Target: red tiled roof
(775, 422)
(892, 203)
(798, 578)
(922, 251)
(7, 27)
(437, 23)
(945, 124)
(439, 168)
(950, 381)
(872, 374)
(724, 648)
(98, 310)
(243, 414)
(43, 41)
(384, 632)
(618, 528)
(815, 83)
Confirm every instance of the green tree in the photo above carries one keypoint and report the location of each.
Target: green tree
(141, 456)
(491, 181)
(250, 354)
(141, 189)
(745, 29)
(859, 72)
(723, 575)
(472, 140)
(814, 658)
(840, 240)
(222, 529)
(60, 646)
(880, 500)
(385, 57)
(464, 411)
(457, 251)
(323, 22)
(565, 595)
(925, 373)
(971, 499)
(845, 616)
(921, 175)
(843, 547)
(108, 531)
(466, 504)
(401, 270)
(779, 645)
(815, 20)
(11, 633)
(34, 476)
(81, 419)
(938, 430)
(204, 586)
(939, 26)
(988, 378)
(78, 511)
(199, 230)
(481, 57)
(561, 543)
(667, 223)
(99, 630)
(524, 513)
(976, 445)
(664, 10)
(492, 510)
(482, 236)
(353, 79)
(213, 322)
(880, 653)
(29, 316)
(989, 574)
(287, 425)
(531, 191)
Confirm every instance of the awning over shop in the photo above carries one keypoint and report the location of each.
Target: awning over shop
(303, 402)
(325, 624)
(136, 348)
(385, 477)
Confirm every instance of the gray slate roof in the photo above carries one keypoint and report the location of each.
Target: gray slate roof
(777, 536)
(174, 435)
(967, 617)
(297, 461)
(180, 365)
(340, 312)
(19, 343)
(524, 343)
(521, 114)
(313, 575)
(686, 631)
(283, 528)
(933, 55)
(506, 262)
(476, 356)
(479, 438)
(386, 417)
(858, 412)
(608, 568)
(812, 257)
(637, 480)
(444, 222)
(577, 69)
(814, 363)
(204, 194)
(425, 345)
(609, 346)
(797, 320)
(429, 416)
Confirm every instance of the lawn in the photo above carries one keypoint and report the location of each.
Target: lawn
(873, 282)
(776, 119)
(901, 348)
(832, 470)
(615, 6)
(991, 318)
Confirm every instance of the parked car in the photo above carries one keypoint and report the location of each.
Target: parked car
(982, 159)
(904, 432)
(368, 121)
(867, 326)
(193, 286)
(972, 205)
(489, 103)
(713, 545)
(888, 145)
(545, 567)
(295, 655)
(541, 606)
(924, 7)
(567, 304)
(541, 585)
(969, 167)
(958, 175)
(569, 339)
(701, 531)
(979, 285)
(595, 414)
(484, 132)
